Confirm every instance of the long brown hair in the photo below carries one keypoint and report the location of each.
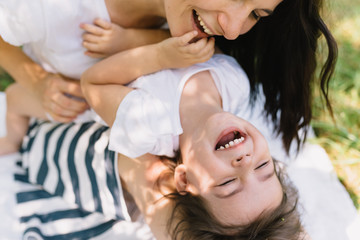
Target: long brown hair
(191, 218)
(279, 53)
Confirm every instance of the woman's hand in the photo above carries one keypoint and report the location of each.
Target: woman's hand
(61, 98)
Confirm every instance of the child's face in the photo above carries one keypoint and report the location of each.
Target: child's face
(217, 17)
(238, 182)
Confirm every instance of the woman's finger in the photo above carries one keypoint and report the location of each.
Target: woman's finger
(64, 110)
(71, 87)
(92, 47)
(93, 29)
(94, 54)
(91, 38)
(102, 23)
(69, 104)
(58, 118)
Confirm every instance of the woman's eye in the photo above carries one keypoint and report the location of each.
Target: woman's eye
(255, 15)
(262, 165)
(227, 182)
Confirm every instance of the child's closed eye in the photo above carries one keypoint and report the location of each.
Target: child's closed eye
(262, 165)
(227, 182)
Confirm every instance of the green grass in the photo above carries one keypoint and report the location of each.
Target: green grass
(5, 80)
(342, 139)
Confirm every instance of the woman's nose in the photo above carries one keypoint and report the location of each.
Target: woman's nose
(232, 20)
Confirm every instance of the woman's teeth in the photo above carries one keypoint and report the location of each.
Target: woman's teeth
(205, 28)
(232, 143)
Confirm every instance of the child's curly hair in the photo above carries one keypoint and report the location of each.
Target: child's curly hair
(191, 219)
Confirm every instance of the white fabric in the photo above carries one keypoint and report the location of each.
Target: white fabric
(12, 229)
(49, 31)
(328, 211)
(50, 34)
(148, 120)
(71, 166)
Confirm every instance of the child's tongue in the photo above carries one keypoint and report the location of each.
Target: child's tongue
(226, 139)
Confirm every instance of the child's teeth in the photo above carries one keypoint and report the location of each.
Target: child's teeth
(232, 143)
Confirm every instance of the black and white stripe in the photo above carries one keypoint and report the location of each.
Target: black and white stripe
(73, 189)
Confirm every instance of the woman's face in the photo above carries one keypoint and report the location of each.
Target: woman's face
(229, 18)
(228, 163)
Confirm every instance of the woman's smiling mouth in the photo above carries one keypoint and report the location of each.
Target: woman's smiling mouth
(200, 24)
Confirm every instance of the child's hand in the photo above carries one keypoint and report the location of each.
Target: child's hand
(104, 38)
(177, 52)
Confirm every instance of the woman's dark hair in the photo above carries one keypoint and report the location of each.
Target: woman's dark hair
(280, 53)
(192, 220)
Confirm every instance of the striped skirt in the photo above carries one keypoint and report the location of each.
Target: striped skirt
(73, 190)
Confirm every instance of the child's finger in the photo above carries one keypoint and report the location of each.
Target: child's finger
(187, 37)
(102, 23)
(91, 28)
(209, 48)
(210, 45)
(197, 46)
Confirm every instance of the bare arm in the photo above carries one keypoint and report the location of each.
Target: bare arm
(103, 83)
(47, 88)
(20, 67)
(140, 176)
(103, 38)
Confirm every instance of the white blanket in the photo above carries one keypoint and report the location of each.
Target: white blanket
(328, 213)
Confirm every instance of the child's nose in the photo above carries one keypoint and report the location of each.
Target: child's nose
(244, 160)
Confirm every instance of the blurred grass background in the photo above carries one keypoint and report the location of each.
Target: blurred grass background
(341, 139)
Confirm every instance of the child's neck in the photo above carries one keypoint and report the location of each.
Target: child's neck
(199, 100)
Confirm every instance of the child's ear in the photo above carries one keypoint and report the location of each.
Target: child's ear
(180, 179)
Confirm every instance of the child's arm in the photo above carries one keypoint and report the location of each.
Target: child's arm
(103, 83)
(103, 38)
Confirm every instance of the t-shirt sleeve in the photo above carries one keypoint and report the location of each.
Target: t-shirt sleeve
(232, 83)
(142, 125)
(21, 21)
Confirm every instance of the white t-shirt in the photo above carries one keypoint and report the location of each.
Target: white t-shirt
(49, 31)
(148, 120)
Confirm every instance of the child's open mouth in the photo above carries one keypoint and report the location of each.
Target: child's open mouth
(229, 140)
(201, 25)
